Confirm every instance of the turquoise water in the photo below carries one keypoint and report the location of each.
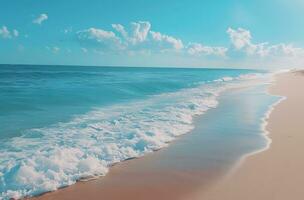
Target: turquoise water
(63, 123)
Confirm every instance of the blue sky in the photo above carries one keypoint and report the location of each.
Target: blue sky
(196, 33)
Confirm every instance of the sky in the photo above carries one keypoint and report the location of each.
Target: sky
(155, 33)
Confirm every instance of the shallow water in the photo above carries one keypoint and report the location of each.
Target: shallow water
(224, 135)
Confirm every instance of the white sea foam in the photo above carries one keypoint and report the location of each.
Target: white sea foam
(251, 76)
(46, 159)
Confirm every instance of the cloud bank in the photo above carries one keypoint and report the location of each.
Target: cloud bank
(241, 40)
(139, 38)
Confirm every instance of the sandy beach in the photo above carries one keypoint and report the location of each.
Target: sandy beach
(272, 174)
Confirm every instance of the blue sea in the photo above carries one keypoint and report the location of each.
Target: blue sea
(60, 124)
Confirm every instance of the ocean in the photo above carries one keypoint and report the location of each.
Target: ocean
(60, 124)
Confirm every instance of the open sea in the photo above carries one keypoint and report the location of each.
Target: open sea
(59, 124)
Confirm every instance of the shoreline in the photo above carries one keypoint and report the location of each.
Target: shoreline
(265, 133)
(264, 124)
(272, 173)
(121, 170)
(87, 144)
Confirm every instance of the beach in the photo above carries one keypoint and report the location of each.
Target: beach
(182, 170)
(185, 127)
(273, 174)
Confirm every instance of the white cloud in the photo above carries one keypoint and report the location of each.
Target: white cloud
(98, 34)
(241, 40)
(5, 33)
(106, 39)
(166, 41)
(41, 18)
(279, 50)
(138, 33)
(121, 29)
(199, 49)
(139, 39)
(240, 37)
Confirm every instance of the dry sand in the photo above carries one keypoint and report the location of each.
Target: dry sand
(277, 173)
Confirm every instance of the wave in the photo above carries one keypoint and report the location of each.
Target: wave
(45, 159)
(251, 76)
